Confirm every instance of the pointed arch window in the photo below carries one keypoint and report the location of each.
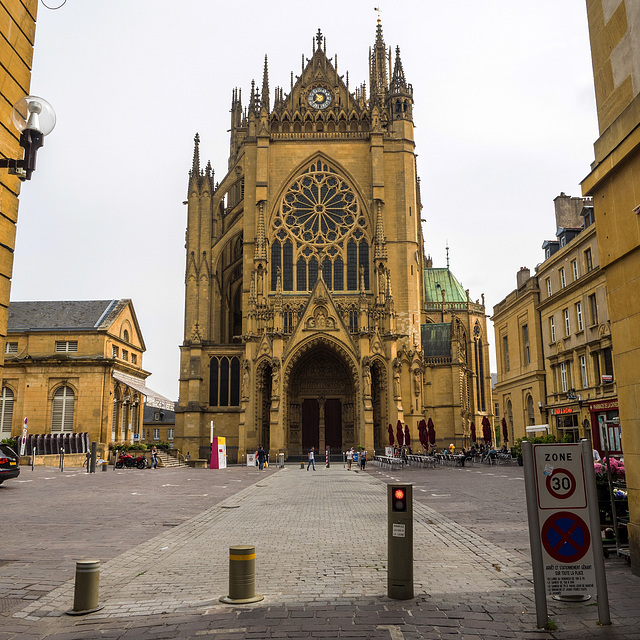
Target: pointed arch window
(224, 381)
(320, 224)
(62, 410)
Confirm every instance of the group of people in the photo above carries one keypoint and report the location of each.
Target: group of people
(359, 457)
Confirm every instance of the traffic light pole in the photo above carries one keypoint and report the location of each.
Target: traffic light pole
(400, 541)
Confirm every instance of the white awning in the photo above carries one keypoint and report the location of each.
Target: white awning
(538, 427)
(152, 397)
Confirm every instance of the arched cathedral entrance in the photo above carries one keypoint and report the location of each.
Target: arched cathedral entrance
(321, 401)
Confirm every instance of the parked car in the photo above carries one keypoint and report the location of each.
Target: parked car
(9, 463)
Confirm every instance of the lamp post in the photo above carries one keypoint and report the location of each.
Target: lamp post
(35, 118)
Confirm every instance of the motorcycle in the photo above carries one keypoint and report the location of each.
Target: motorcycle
(128, 461)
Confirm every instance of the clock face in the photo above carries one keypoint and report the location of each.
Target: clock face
(319, 98)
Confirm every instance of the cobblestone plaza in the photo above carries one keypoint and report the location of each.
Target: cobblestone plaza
(163, 538)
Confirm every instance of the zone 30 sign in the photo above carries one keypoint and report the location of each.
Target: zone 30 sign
(564, 520)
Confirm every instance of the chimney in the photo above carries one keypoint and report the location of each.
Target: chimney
(522, 276)
(568, 211)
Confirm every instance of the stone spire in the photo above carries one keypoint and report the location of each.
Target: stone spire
(379, 82)
(265, 86)
(195, 168)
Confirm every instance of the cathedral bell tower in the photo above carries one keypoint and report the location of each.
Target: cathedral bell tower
(303, 284)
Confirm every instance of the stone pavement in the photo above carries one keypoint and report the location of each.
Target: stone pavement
(320, 543)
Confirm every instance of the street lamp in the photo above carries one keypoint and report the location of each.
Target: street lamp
(35, 118)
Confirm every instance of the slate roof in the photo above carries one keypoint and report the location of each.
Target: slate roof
(64, 315)
(436, 280)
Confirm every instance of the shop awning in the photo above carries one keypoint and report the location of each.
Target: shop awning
(152, 397)
(538, 427)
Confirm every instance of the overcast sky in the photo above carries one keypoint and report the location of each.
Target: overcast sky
(504, 112)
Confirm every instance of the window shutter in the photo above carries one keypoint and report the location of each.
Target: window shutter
(6, 411)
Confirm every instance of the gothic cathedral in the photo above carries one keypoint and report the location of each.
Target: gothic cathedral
(313, 317)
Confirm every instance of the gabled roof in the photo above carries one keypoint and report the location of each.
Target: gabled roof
(437, 280)
(67, 315)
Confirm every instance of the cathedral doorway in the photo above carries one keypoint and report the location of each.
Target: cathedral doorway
(321, 402)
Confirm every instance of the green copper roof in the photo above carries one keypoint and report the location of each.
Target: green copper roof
(436, 338)
(437, 280)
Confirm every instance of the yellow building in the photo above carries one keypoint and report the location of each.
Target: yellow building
(553, 339)
(17, 35)
(74, 367)
(305, 277)
(614, 184)
(520, 390)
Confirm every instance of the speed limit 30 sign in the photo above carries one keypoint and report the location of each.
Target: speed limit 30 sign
(559, 477)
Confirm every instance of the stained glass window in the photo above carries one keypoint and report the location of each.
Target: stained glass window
(319, 212)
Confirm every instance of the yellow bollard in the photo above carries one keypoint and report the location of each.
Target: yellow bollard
(242, 569)
(85, 597)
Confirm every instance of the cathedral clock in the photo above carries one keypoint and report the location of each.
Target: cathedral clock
(319, 98)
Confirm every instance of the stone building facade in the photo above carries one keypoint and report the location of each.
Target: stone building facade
(74, 367)
(614, 31)
(553, 339)
(305, 275)
(17, 36)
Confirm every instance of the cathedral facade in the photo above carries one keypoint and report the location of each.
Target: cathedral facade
(305, 292)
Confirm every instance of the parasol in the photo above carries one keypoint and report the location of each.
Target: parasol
(407, 436)
(505, 431)
(391, 439)
(486, 430)
(432, 432)
(473, 432)
(399, 434)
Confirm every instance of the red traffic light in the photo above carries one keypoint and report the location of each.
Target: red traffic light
(399, 499)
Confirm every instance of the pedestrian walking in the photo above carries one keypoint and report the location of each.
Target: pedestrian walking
(363, 459)
(154, 457)
(262, 456)
(349, 458)
(312, 459)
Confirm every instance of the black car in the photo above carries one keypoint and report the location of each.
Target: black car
(9, 463)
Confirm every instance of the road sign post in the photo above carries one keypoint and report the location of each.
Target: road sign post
(564, 526)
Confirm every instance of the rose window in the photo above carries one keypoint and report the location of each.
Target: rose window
(319, 228)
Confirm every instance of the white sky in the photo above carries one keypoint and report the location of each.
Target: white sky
(504, 112)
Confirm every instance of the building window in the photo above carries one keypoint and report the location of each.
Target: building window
(224, 381)
(525, 344)
(574, 269)
(134, 358)
(583, 372)
(170, 433)
(608, 362)
(588, 260)
(6, 412)
(11, 347)
(62, 410)
(563, 280)
(125, 355)
(496, 409)
(596, 367)
(67, 346)
(563, 376)
(320, 213)
(505, 352)
(593, 309)
(125, 335)
(579, 316)
(567, 322)
(115, 352)
(549, 287)
(156, 434)
(531, 416)
(552, 329)
(479, 371)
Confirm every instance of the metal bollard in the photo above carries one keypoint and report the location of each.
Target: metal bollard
(85, 596)
(242, 569)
